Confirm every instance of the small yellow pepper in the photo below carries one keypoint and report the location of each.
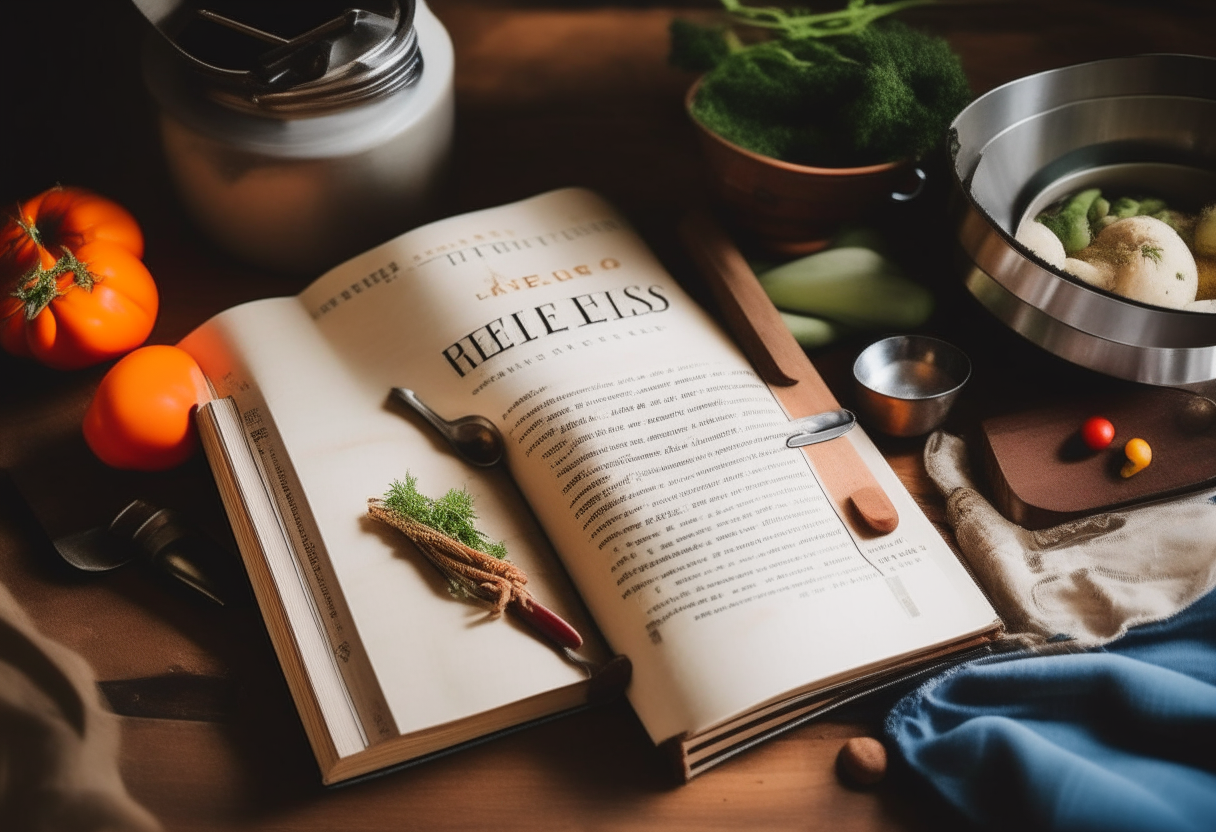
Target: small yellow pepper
(1138, 454)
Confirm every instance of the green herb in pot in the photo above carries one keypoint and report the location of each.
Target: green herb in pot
(834, 89)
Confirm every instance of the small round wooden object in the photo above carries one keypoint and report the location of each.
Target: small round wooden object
(862, 761)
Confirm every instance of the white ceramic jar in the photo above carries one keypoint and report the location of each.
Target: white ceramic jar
(301, 194)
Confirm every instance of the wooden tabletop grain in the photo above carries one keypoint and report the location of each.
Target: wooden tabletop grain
(548, 95)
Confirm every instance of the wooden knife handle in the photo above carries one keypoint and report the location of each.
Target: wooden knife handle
(780, 361)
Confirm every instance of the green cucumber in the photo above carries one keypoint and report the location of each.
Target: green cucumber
(853, 286)
(811, 332)
(859, 236)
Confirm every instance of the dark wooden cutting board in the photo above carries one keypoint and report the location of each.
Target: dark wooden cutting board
(1041, 474)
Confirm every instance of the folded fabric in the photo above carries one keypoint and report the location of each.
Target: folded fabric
(58, 746)
(1109, 721)
(1117, 739)
(1087, 580)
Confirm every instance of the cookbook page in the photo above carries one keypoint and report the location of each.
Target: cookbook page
(650, 452)
(327, 440)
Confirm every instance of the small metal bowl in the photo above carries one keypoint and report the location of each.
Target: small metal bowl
(906, 384)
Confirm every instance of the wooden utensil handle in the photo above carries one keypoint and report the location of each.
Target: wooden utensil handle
(780, 361)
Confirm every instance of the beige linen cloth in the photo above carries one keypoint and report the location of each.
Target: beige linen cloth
(1088, 579)
(58, 746)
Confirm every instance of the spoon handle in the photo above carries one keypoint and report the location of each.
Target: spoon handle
(409, 397)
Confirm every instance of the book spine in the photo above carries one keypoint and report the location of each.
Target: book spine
(281, 545)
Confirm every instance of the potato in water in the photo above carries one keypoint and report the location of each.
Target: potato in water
(1140, 249)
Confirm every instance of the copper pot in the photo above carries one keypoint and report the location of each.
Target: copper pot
(795, 209)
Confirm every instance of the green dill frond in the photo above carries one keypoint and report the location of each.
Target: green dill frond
(404, 498)
(1150, 252)
(452, 514)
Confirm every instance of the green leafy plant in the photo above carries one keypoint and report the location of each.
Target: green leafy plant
(831, 89)
(475, 567)
(452, 514)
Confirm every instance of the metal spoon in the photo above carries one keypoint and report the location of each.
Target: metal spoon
(475, 439)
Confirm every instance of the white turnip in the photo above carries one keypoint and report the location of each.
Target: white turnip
(1146, 260)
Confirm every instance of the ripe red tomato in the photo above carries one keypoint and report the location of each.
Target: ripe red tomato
(140, 416)
(1097, 433)
(75, 291)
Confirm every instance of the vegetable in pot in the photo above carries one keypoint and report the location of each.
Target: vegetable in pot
(1205, 232)
(1071, 223)
(1144, 259)
(1043, 243)
(1138, 248)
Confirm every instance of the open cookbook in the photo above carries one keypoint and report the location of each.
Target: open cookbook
(647, 492)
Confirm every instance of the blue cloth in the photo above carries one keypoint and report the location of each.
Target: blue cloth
(1114, 739)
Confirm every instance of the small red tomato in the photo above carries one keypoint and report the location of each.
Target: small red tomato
(1097, 433)
(141, 415)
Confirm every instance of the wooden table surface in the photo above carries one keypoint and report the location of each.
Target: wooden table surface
(573, 93)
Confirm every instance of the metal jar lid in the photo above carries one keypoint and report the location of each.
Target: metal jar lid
(287, 58)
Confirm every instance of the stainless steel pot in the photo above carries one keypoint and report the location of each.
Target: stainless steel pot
(1147, 122)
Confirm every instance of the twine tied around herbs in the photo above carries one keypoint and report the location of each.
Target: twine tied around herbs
(482, 576)
(475, 566)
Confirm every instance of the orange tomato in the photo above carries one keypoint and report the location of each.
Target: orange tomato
(1139, 456)
(141, 415)
(77, 293)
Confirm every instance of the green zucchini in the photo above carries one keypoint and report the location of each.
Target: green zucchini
(811, 332)
(854, 286)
